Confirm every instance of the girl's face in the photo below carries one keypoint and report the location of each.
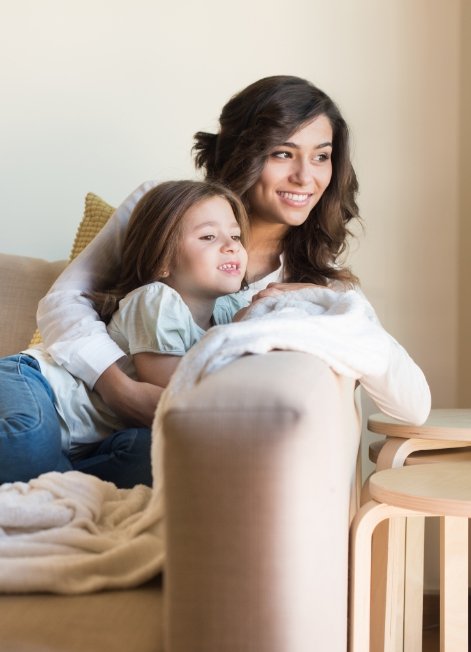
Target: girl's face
(211, 260)
(294, 177)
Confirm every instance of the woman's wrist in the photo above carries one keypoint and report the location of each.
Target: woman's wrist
(133, 401)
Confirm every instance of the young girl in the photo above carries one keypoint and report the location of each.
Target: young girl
(183, 249)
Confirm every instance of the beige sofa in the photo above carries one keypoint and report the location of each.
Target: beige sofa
(260, 459)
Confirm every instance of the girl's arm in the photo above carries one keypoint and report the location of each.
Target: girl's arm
(73, 332)
(154, 371)
(155, 368)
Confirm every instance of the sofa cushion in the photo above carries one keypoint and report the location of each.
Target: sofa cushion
(110, 621)
(24, 281)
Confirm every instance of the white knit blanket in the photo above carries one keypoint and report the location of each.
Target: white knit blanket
(339, 327)
(73, 533)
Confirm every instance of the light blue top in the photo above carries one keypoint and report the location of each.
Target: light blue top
(152, 318)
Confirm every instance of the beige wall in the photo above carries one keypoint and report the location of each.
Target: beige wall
(100, 95)
(464, 342)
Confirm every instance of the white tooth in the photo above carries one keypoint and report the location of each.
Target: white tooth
(295, 196)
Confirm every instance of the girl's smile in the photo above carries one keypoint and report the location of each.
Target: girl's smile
(232, 268)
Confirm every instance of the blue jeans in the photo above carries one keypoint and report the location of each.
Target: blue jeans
(30, 437)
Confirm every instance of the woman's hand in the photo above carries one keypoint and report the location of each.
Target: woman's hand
(240, 314)
(135, 402)
(275, 289)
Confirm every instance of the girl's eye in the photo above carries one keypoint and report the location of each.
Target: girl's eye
(236, 238)
(207, 237)
(322, 157)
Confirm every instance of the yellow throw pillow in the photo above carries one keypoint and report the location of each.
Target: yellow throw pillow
(96, 214)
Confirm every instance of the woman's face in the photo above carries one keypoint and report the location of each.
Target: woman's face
(294, 177)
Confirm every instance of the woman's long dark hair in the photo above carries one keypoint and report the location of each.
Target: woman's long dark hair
(153, 236)
(252, 123)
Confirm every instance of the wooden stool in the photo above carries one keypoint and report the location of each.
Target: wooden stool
(398, 545)
(427, 456)
(442, 489)
(444, 429)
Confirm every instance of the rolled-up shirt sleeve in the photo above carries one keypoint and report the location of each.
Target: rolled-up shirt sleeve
(402, 391)
(71, 329)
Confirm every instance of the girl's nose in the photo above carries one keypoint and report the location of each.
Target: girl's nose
(231, 245)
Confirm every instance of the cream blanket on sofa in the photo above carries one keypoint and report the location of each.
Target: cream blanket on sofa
(73, 533)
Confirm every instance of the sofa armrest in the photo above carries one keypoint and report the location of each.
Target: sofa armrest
(259, 460)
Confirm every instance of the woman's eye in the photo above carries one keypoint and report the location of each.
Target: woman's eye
(207, 237)
(322, 157)
(281, 154)
(236, 238)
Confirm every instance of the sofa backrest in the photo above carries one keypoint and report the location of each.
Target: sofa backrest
(23, 281)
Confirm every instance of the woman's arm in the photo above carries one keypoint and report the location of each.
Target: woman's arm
(153, 371)
(72, 331)
(133, 401)
(402, 392)
(137, 400)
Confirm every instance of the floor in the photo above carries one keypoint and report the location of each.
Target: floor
(431, 640)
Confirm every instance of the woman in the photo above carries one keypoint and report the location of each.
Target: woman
(283, 147)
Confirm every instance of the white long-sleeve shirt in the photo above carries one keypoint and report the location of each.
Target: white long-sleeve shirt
(71, 330)
(76, 338)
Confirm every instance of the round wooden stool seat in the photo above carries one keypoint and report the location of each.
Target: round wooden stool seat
(443, 489)
(450, 424)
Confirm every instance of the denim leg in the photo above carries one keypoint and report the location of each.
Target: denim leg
(122, 458)
(30, 437)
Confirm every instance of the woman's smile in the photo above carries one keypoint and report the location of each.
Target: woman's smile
(295, 198)
(295, 176)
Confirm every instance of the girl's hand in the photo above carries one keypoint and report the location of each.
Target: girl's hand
(275, 289)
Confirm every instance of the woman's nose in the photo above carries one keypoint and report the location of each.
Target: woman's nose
(301, 173)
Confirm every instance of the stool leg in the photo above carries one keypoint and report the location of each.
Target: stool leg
(379, 586)
(394, 598)
(453, 584)
(414, 584)
(387, 587)
(363, 525)
(385, 538)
